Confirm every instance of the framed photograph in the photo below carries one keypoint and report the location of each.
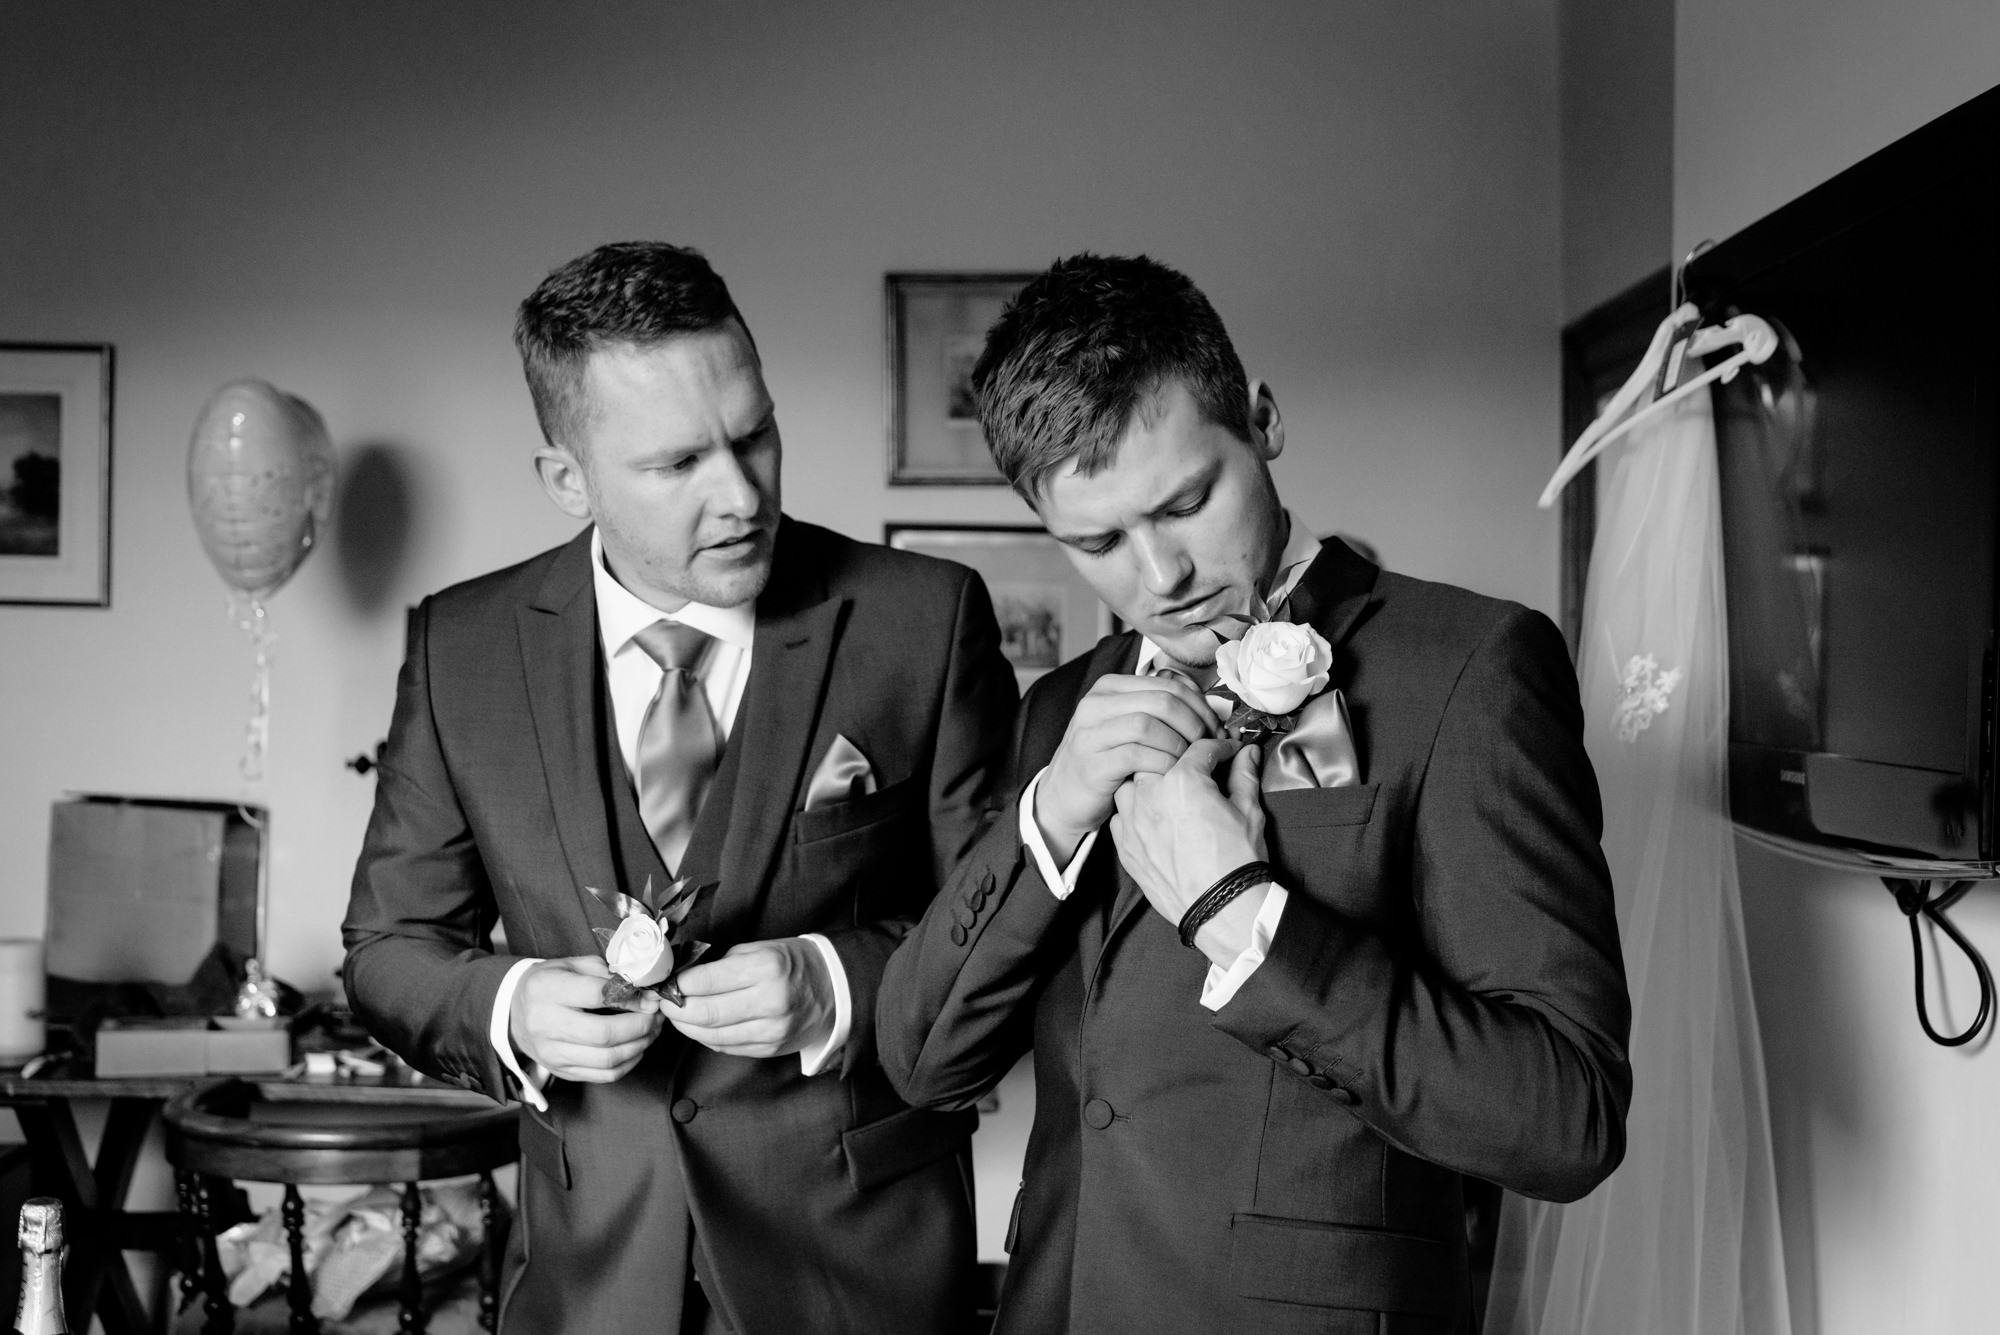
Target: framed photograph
(937, 326)
(55, 473)
(1048, 615)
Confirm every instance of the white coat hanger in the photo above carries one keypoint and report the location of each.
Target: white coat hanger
(1679, 335)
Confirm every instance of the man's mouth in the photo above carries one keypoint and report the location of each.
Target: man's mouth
(743, 544)
(1199, 612)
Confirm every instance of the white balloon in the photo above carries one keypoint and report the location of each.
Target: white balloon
(260, 483)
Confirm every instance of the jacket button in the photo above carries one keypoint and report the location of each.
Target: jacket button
(964, 916)
(957, 935)
(1300, 1066)
(1097, 1114)
(1279, 1053)
(986, 885)
(1321, 1081)
(684, 1110)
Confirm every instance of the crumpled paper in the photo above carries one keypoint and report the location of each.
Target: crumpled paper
(354, 1247)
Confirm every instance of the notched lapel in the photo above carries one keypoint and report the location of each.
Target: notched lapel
(558, 634)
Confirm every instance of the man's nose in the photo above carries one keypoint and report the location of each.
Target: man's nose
(733, 489)
(1163, 566)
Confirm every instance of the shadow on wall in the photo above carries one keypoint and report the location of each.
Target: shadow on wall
(372, 523)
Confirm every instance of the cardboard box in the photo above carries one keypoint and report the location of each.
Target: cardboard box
(191, 1045)
(141, 889)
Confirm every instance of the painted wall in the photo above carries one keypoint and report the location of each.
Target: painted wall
(1615, 80)
(1887, 1165)
(350, 200)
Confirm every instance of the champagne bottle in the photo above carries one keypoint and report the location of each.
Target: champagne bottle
(42, 1252)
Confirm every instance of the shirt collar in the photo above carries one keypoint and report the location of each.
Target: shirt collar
(1300, 549)
(621, 614)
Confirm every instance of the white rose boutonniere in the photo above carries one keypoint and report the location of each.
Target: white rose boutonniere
(1270, 668)
(645, 950)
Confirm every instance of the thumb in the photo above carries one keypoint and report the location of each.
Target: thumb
(1246, 781)
(1202, 757)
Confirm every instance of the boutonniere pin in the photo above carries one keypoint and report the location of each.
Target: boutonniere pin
(1270, 669)
(645, 950)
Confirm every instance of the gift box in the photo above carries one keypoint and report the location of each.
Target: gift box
(141, 890)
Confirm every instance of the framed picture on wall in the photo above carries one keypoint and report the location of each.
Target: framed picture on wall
(937, 324)
(1047, 614)
(55, 473)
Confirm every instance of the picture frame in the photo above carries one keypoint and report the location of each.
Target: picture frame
(1047, 614)
(937, 325)
(55, 474)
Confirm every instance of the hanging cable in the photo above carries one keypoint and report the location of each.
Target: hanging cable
(1915, 900)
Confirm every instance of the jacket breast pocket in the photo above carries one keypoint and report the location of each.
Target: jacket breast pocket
(1314, 808)
(838, 818)
(1325, 839)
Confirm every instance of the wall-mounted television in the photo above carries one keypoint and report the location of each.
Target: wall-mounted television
(1860, 475)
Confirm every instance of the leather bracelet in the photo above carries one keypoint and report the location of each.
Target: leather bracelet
(1218, 896)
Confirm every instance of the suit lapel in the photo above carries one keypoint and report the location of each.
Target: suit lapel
(1330, 597)
(559, 652)
(798, 624)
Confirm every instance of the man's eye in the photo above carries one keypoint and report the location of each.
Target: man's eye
(1192, 507)
(1102, 547)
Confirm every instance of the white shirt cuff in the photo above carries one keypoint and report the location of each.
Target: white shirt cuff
(537, 1075)
(1221, 984)
(814, 1060)
(1060, 880)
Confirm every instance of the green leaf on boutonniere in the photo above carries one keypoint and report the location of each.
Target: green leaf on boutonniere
(1249, 725)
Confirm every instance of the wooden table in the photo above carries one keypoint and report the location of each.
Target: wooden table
(100, 1228)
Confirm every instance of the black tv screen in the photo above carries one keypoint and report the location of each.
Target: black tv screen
(1859, 500)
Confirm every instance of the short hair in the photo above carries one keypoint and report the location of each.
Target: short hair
(629, 292)
(1085, 346)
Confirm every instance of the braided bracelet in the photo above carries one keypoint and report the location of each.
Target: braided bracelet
(1218, 896)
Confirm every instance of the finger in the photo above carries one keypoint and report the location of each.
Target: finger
(1202, 757)
(1175, 704)
(558, 987)
(593, 965)
(759, 1037)
(584, 1029)
(1146, 728)
(1246, 781)
(749, 965)
(579, 1057)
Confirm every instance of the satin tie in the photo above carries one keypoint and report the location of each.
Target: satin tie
(678, 742)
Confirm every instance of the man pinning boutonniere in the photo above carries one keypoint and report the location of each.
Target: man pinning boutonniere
(1353, 951)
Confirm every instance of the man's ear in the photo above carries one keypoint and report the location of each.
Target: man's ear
(1267, 428)
(561, 475)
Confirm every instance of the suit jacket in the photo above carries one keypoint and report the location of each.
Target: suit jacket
(821, 1204)
(1444, 997)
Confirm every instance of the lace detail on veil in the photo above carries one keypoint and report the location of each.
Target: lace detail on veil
(1644, 694)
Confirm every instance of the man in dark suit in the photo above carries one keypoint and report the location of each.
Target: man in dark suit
(1259, 1120)
(695, 687)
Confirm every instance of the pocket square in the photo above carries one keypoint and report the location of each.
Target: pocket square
(1319, 750)
(842, 776)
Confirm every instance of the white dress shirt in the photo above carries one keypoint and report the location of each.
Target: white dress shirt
(1219, 985)
(633, 679)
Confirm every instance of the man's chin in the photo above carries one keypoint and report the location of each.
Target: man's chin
(1190, 647)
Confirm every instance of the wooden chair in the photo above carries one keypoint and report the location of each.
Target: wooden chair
(231, 1130)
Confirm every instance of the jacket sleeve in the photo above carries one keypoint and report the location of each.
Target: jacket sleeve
(957, 999)
(1498, 1049)
(420, 972)
(974, 711)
